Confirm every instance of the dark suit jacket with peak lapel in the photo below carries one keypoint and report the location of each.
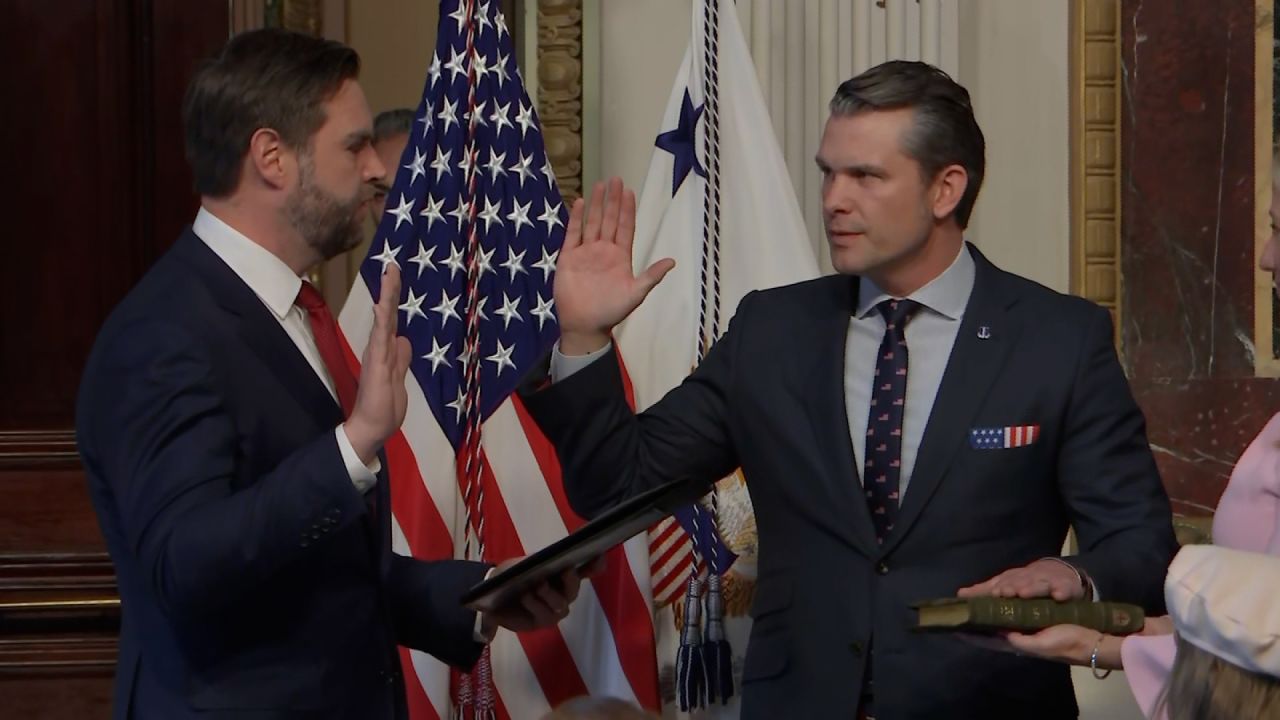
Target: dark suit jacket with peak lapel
(769, 397)
(255, 582)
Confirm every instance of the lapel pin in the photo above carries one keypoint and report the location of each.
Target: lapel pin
(984, 333)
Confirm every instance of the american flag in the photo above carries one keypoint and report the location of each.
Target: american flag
(475, 221)
(1003, 438)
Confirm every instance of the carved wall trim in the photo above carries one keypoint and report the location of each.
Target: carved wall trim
(1095, 154)
(60, 613)
(57, 657)
(38, 448)
(559, 79)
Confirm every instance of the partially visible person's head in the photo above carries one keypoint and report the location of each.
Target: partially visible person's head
(278, 130)
(1222, 603)
(1203, 686)
(902, 158)
(1270, 258)
(598, 708)
(391, 130)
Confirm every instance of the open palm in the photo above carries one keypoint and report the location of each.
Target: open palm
(382, 400)
(595, 287)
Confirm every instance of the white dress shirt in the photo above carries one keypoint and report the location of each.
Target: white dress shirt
(277, 287)
(931, 333)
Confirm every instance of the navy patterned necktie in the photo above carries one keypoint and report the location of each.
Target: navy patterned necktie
(882, 464)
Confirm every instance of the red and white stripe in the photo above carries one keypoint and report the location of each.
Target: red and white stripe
(670, 560)
(670, 547)
(1019, 435)
(606, 645)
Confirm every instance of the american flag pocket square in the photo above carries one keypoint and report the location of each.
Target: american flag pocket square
(1003, 438)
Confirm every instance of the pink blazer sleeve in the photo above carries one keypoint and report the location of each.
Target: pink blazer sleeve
(1148, 660)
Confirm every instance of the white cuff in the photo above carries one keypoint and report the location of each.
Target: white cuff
(1085, 580)
(362, 476)
(562, 366)
(477, 633)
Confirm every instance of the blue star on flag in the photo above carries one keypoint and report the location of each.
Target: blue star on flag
(681, 143)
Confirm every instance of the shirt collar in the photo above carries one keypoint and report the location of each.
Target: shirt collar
(945, 295)
(265, 274)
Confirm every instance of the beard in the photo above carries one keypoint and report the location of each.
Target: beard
(330, 225)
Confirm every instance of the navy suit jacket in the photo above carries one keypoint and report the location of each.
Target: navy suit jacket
(769, 398)
(255, 580)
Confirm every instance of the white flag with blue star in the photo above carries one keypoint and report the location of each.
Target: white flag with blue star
(717, 199)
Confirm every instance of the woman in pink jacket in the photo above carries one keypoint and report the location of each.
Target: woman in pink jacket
(1247, 518)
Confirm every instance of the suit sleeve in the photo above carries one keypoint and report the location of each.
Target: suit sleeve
(609, 453)
(1113, 492)
(159, 433)
(426, 608)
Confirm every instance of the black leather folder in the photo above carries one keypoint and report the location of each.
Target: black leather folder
(578, 548)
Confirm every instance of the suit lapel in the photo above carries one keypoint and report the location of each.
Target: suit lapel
(825, 405)
(261, 331)
(972, 369)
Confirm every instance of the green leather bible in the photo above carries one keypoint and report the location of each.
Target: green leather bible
(992, 614)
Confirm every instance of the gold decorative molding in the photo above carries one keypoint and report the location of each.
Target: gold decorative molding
(58, 611)
(306, 16)
(1095, 154)
(1265, 363)
(559, 77)
(322, 18)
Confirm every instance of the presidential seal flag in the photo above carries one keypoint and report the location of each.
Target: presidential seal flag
(717, 199)
(475, 221)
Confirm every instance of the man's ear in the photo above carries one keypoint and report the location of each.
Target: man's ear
(269, 158)
(948, 189)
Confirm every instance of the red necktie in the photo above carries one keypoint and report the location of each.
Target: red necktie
(325, 331)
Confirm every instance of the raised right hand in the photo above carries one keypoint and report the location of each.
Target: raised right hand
(382, 400)
(595, 288)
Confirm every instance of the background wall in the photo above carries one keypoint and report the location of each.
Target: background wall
(1013, 57)
(395, 39)
(651, 36)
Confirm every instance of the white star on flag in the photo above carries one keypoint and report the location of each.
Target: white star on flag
(547, 264)
(402, 211)
(514, 263)
(436, 356)
(423, 258)
(432, 211)
(415, 166)
(510, 310)
(502, 357)
(388, 255)
(412, 308)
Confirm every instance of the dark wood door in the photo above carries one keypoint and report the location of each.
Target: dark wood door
(98, 189)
